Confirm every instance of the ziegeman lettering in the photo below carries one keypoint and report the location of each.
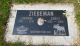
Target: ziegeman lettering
(41, 13)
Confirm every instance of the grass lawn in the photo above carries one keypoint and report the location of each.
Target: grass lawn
(5, 10)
